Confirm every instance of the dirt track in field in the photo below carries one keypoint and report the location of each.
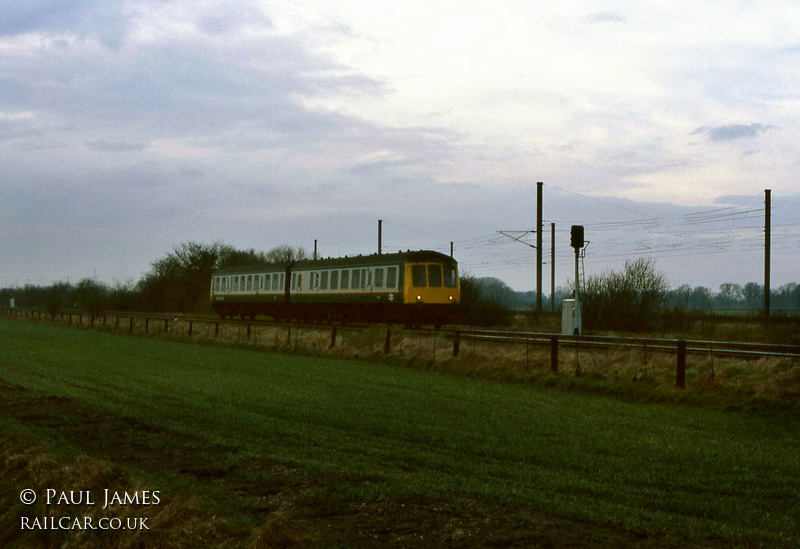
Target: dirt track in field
(258, 487)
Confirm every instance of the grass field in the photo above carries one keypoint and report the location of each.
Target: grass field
(351, 454)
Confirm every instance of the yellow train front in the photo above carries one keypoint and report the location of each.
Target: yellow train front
(419, 287)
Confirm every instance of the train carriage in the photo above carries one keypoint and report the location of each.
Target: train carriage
(409, 287)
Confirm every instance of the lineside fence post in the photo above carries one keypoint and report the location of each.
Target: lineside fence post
(680, 374)
(333, 338)
(456, 343)
(387, 345)
(554, 354)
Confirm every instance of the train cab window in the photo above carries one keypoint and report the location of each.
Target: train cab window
(449, 276)
(434, 275)
(356, 279)
(418, 277)
(391, 277)
(323, 281)
(345, 279)
(379, 278)
(334, 280)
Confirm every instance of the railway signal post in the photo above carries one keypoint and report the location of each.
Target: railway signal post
(571, 314)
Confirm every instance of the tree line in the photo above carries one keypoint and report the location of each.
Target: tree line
(630, 299)
(635, 298)
(178, 282)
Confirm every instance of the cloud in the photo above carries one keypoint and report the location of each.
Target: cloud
(604, 17)
(732, 132)
(115, 146)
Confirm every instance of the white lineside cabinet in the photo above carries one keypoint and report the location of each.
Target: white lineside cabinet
(570, 317)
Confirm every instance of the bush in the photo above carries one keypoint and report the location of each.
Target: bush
(626, 300)
(484, 301)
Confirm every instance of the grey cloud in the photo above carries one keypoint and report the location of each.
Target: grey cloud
(732, 132)
(115, 146)
(157, 93)
(382, 166)
(100, 18)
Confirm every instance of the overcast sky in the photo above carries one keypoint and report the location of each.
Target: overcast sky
(128, 127)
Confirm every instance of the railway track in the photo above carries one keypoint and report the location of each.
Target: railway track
(166, 322)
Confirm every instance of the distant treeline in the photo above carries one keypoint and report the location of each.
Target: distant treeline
(634, 298)
(179, 282)
(729, 297)
(626, 299)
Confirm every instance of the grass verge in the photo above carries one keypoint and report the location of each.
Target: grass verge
(357, 454)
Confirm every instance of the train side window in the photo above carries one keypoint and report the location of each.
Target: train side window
(249, 283)
(267, 282)
(216, 283)
(235, 283)
(356, 279)
(345, 279)
(365, 280)
(294, 281)
(391, 277)
(323, 282)
(282, 283)
(379, 277)
(418, 277)
(434, 275)
(334, 280)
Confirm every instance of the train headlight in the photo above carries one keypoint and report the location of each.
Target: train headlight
(451, 298)
(419, 298)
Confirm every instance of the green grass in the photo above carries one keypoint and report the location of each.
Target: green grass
(371, 433)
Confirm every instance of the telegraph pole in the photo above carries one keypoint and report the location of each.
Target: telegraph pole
(539, 247)
(767, 246)
(552, 267)
(380, 235)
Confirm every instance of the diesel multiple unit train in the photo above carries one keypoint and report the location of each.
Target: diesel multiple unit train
(419, 287)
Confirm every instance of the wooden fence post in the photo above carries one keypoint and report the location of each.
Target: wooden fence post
(456, 343)
(387, 344)
(333, 338)
(680, 374)
(554, 354)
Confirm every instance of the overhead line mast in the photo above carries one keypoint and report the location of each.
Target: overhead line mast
(539, 247)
